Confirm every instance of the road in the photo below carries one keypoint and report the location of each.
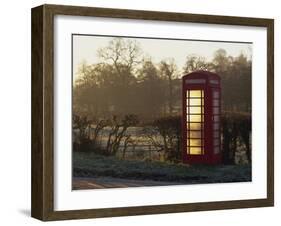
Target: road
(108, 182)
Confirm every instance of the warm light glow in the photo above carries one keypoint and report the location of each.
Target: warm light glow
(196, 102)
(195, 142)
(195, 120)
(195, 134)
(195, 93)
(195, 110)
(194, 126)
(196, 150)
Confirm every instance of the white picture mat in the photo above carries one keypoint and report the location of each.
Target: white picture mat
(66, 199)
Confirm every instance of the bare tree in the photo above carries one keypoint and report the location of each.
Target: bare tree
(118, 133)
(121, 52)
(194, 63)
(100, 125)
(127, 141)
(165, 136)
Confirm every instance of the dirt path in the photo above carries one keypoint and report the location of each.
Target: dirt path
(108, 182)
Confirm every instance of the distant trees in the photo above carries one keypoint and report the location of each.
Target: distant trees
(126, 82)
(195, 63)
(150, 90)
(220, 61)
(127, 89)
(236, 77)
(168, 71)
(235, 73)
(124, 55)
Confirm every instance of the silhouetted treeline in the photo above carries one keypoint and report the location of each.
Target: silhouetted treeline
(125, 82)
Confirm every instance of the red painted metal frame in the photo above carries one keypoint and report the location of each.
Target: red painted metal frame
(209, 156)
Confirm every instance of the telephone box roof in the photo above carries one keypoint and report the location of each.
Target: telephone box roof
(201, 74)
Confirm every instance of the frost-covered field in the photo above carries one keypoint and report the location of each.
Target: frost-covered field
(93, 165)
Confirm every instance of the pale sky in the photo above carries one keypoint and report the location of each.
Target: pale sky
(85, 49)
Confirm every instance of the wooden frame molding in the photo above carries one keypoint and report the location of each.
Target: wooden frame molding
(43, 107)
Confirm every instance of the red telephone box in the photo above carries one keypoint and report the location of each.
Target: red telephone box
(201, 93)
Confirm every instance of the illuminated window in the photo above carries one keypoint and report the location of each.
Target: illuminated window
(196, 102)
(194, 125)
(196, 150)
(195, 118)
(195, 121)
(196, 142)
(194, 134)
(195, 93)
(195, 110)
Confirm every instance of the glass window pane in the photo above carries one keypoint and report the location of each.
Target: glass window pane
(215, 94)
(194, 134)
(216, 126)
(216, 110)
(196, 118)
(194, 126)
(216, 103)
(195, 142)
(195, 93)
(195, 110)
(195, 102)
(196, 150)
(216, 118)
(216, 150)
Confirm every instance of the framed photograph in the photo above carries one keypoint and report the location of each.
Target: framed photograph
(141, 112)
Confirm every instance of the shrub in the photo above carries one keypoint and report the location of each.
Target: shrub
(169, 131)
(236, 131)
